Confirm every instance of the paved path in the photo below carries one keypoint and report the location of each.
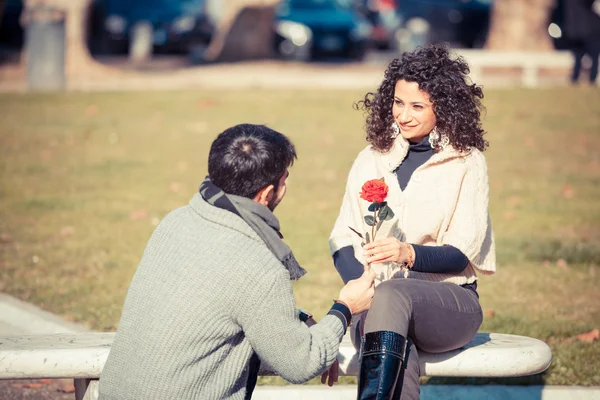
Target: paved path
(20, 318)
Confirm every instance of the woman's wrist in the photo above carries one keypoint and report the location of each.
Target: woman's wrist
(409, 261)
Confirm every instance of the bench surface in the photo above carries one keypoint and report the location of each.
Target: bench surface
(83, 355)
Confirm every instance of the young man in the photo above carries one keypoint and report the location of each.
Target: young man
(212, 294)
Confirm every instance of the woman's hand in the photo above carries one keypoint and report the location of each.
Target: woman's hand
(386, 250)
(332, 373)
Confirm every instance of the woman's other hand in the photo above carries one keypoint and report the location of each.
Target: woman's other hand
(332, 373)
(386, 250)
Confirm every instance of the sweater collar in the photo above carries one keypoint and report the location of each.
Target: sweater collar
(392, 159)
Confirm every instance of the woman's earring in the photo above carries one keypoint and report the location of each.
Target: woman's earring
(395, 130)
(434, 136)
(444, 141)
(436, 139)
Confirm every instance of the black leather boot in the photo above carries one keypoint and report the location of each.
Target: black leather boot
(381, 366)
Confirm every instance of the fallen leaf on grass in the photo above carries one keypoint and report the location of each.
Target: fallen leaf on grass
(490, 313)
(589, 337)
(205, 103)
(5, 238)
(32, 385)
(67, 231)
(66, 389)
(514, 201)
(562, 263)
(509, 215)
(529, 142)
(568, 191)
(138, 214)
(174, 187)
(46, 381)
(91, 110)
(46, 155)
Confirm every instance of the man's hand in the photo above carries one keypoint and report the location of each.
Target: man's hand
(358, 293)
(332, 373)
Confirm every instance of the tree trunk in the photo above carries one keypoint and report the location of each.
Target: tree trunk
(520, 25)
(79, 62)
(244, 32)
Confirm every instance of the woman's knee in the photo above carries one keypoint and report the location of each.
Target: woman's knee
(390, 300)
(394, 291)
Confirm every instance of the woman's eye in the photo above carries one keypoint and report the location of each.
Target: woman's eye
(417, 107)
(398, 102)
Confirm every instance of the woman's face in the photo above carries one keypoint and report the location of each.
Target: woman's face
(413, 111)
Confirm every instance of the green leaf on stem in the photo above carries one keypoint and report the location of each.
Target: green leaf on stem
(379, 222)
(386, 213)
(367, 237)
(376, 206)
(383, 212)
(369, 220)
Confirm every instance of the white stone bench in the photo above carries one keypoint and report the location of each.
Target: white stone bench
(529, 62)
(82, 356)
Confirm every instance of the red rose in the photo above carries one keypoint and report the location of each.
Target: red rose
(374, 191)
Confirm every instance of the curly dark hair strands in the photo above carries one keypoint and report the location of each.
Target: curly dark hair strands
(456, 100)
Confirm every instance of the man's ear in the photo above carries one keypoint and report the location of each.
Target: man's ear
(265, 195)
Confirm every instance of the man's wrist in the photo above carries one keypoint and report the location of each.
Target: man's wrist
(341, 310)
(303, 315)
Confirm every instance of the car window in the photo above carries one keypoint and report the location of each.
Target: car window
(319, 4)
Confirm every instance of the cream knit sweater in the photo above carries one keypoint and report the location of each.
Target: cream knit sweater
(445, 203)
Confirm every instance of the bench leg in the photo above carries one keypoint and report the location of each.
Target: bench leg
(86, 389)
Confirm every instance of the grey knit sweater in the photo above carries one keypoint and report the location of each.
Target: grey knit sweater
(206, 294)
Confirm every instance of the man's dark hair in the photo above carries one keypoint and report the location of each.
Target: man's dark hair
(247, 158)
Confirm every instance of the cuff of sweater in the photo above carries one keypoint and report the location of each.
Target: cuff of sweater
(342, 312)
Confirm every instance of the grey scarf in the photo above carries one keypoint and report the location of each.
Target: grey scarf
(259, 218)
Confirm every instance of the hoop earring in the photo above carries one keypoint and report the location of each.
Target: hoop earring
(395, 130)
(444, 141)
(435, 139)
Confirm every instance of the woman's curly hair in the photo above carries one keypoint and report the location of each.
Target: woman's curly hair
(456, 102)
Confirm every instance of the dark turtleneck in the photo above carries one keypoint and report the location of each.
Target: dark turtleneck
(418, 153)
(430, 259)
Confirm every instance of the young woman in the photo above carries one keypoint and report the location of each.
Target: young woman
(426, 142)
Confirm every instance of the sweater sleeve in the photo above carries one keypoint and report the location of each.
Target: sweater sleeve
(470, 229)
(347, 265)
(439, 259)
(349, 216)
(296, 352)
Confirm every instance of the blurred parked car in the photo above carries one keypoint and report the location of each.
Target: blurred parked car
(11, 32)
(142, 26)
(462, 23)
(383, 16)
(308, 29)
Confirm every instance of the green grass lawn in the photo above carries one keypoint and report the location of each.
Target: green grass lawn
(84, 178)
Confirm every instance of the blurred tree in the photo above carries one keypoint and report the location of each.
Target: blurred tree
(244, 31)
(79, 61)
(520, 25)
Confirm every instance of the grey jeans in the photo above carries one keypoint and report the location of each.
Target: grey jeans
(433, 316)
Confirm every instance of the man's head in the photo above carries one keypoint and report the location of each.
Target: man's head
(251, 161)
